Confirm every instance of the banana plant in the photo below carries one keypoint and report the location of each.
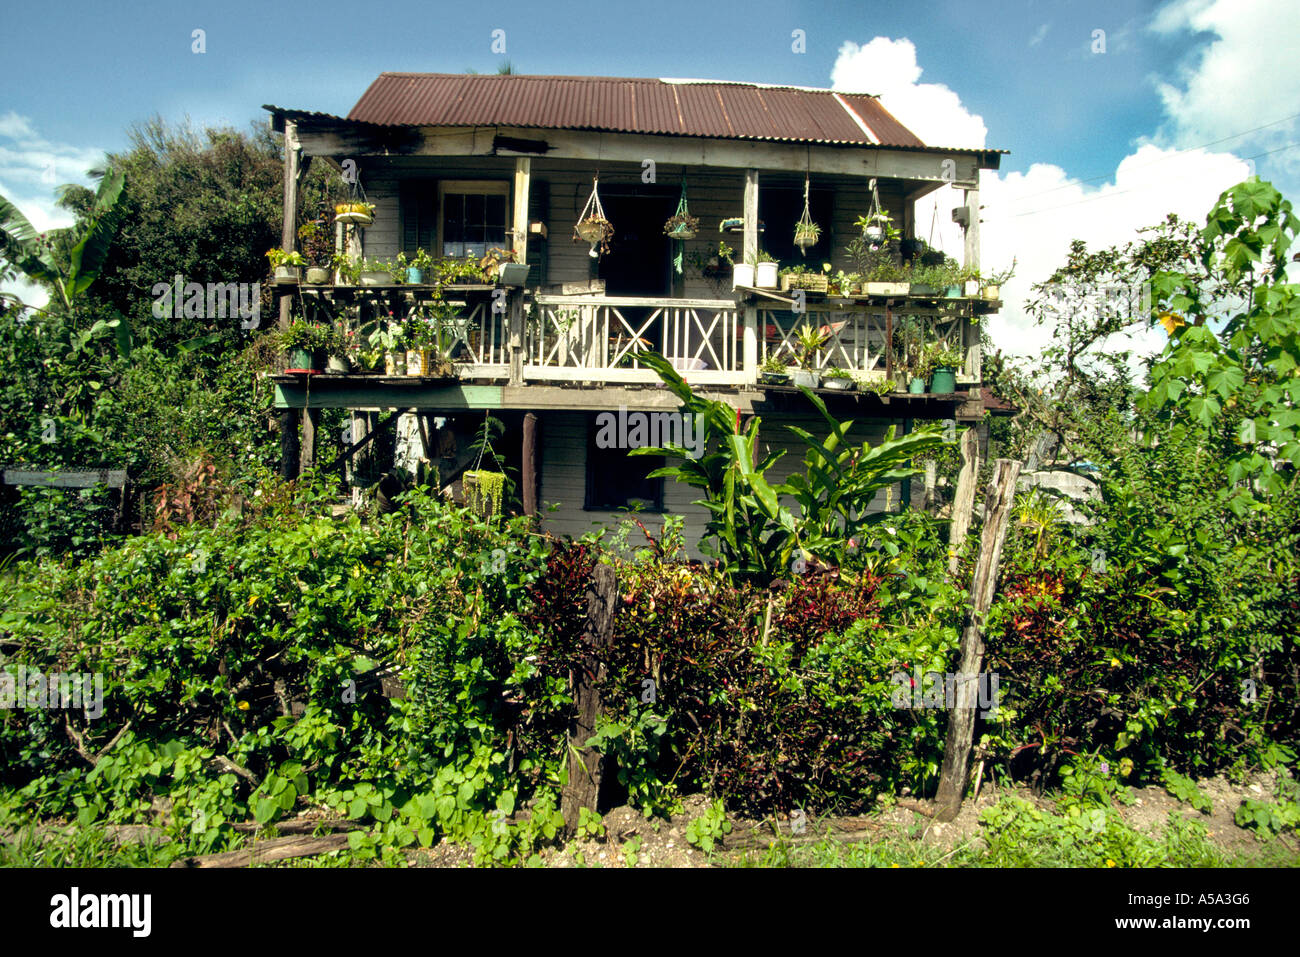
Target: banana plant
(748, 526)
(89, 241)
(840, 480)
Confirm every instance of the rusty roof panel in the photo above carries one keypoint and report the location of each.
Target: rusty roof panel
(627, 105)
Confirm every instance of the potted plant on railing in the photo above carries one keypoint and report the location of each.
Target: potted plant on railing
(810, 339)
(414, 269)
(458, 272)
(355, 214)
(774, 370)
(908, 347)
(801, 277)
(388, 338)
(287, 265)
(318, 249)
(499, 266)
(715, 266)
(837, 378)
(682, 226)
(765, 274)
(377, 272)
(336, 352)
(303, 343)
(349, 270)
(944, 362)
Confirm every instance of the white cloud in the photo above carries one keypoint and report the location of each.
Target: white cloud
(31, 168)
(1032, 216)
(888, 68)
(1247, 76)
(1039, 35)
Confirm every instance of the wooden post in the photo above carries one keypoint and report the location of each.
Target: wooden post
(585, 764)
(289, 447)
(310, 426)
(961, 719)
(750, 247)
(749, 345)
(964, 502)
(972, 251)
(529, 466)
(523, 174)
(289, 444)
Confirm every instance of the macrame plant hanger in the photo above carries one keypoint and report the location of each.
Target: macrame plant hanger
(805, 231)
(592, 233)
(679, 242)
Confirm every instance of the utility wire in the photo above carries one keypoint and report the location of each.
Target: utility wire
(1162, 159)
(1090, 199)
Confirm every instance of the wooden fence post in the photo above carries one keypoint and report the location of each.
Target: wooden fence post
(585, 764)
(961, 718)
(964, 501)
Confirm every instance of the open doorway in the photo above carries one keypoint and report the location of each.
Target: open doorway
(637, 263)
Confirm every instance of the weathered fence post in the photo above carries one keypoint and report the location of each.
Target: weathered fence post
(964, 501)
(961, 718)
(585, 764)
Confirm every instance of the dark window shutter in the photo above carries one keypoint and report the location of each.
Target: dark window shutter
(419, 200)
(539, 210)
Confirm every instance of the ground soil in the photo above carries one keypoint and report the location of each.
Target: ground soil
(663, 842)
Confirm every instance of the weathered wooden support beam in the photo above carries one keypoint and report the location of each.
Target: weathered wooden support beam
(523, 178)
(529, 465)
(961, 719)
(751, 217)
(289, 444)
(310, 428)
(972, 252)
(964, 502)
(586, 766)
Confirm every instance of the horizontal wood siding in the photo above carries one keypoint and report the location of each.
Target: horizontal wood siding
(713, 195)
(563, 466)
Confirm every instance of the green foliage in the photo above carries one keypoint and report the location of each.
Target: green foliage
(709, 828)
(1185, 789)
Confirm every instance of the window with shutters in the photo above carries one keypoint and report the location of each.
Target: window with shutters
(475, 216)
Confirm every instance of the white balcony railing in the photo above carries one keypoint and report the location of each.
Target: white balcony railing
(599, 338)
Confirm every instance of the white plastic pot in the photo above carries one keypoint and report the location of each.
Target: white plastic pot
(766, 278)
(742, 275)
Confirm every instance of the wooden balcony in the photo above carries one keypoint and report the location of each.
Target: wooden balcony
(522, 337)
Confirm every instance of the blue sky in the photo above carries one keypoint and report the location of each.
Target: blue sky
(1101, 140)
(1024, 65)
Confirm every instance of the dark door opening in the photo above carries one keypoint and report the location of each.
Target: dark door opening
(637, 263)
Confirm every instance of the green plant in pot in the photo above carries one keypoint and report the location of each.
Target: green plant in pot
(682, 226)
(286, 264)
(336, 352)
(944, 362)
(348, 269)
(909, 352)
(303, 343)
(774, 370)
(837, 378)
(810, 339)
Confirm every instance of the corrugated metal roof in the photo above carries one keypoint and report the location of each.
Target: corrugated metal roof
(626, 105)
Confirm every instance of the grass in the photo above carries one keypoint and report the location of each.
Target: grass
(1016, 834)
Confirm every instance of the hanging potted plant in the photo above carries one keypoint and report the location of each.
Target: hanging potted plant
(593, 227)
(765, 275)
(355, 213)
(303, 343)
(682, 226)
(806, 235)
(287, 265)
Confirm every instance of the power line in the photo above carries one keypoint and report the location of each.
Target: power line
(1121, 192)
(1162, 159)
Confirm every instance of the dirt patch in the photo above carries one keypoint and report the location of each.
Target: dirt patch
(634, 840)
